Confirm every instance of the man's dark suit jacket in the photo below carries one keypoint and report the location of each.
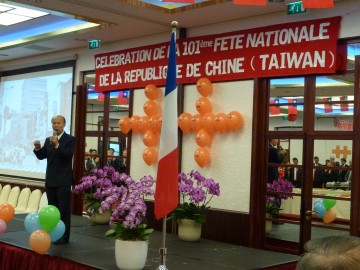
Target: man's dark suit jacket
(298, 181)
(59, 161)
(273, 157)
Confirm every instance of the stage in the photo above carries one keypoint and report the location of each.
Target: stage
(89, 249)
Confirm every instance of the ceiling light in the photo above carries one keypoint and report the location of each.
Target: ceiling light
(10, 14)
(9, 19)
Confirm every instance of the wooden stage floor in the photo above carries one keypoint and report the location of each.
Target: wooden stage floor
(89, 246)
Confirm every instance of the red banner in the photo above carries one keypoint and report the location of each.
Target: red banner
(250, 2)
(307, 47)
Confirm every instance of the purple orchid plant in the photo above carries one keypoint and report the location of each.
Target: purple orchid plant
(273, 201)
(196, 192)
(120, 193)
(92, 185)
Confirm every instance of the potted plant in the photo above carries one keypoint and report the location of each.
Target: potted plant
(196, 191)
(128, 219)
(91, 186)
(273, 201)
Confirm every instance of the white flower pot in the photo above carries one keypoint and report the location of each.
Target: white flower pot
(189, 230)
(131, 255)
(103, 218)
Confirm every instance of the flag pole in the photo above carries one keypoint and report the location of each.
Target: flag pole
(163, 249)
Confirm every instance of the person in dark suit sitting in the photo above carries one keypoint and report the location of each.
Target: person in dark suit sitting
(329, 175)
(123, 161)
(58, 150)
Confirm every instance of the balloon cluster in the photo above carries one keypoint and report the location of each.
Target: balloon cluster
(205, 123)
(324, 209)
(44, 227)
(149, 124)
(7, 212)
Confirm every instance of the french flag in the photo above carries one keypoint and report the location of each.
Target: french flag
(166, 192)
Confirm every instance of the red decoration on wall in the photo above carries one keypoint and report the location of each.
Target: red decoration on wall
(274, 110)
(327, 107)
(250, 2)
(292, 109)
(318, 3)
(344, 107)
(101, 97)
(292, 117)
(122, 98)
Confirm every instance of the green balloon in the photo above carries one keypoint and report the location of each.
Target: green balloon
(329, 203)
(49, 217)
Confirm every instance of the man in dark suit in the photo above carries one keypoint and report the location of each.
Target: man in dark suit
(275, 155)
(58, 150)
(342, 173)
(295, 174)
(317, 171)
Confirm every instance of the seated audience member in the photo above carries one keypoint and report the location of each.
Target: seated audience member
(348, 175)
(329, 174)
(90, 163)
(331, 253)
(112, 160)
(123, 161)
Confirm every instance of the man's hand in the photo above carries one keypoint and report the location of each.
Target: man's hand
(37, 145)
(54, 140)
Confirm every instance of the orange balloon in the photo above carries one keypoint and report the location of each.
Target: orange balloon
(150, 138)
(151, 107)
(202, 156)
(220, 122)
(150, 155)
(329, 216)
(184, 122)
(204, 87)
(124, 125)
(195, 123)
(203, 105)
(207, 122)
(234, 121)
(154, 123)
(151, 92)
(144, 123)
(203, 138)
(7, 212)
(40, 241)
(134, 123)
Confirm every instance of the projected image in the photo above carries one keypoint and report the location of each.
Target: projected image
(27, 104)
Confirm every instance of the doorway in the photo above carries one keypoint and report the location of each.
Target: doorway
(310, 183)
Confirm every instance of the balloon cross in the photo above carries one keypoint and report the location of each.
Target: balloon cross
(204, 124)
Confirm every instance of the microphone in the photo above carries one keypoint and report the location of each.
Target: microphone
(54, 134)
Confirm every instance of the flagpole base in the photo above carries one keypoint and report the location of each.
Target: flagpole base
(162, 252)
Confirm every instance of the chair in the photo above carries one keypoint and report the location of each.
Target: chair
(5, 194)
(43, 201)
(14, 196)
(23, 201)
(34, 200)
